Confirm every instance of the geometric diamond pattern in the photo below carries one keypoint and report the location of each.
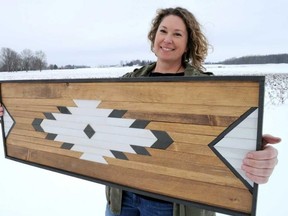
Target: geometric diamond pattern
(89, 131)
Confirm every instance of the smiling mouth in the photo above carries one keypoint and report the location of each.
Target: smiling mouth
(167, 49)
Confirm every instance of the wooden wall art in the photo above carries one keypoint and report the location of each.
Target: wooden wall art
(178, 139)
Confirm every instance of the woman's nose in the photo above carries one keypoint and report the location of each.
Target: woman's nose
(168, 39)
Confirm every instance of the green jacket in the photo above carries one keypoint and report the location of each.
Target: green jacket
(114, 195)
(146, 70)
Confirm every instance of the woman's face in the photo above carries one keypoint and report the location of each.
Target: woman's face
(171, 39)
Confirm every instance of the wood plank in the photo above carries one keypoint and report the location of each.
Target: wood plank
(191, 148)
(12, 101)
(140, 93)
(27, 114)
(35, 90)
(186, 128)
(187, 157)
(23, 120)
(196, 139)
(34, 109)
(24, 126)
(35, 140)
(210, 120)
(31, 133)
(44, 148)
(196, 109)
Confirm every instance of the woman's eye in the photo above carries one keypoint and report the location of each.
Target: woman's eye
(162, 31)
(178, 34)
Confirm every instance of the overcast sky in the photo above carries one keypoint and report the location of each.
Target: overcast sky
(93, 33)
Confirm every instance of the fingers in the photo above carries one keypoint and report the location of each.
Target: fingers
(259, 165)
(269, 139)
(269, 152)
(258, 179)
(257, 175)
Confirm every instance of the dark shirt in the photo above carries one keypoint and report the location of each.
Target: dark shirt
(157, 74)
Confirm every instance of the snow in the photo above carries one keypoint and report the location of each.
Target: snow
(80, 73)
(28, 191)
(110, 72)
(257, 69)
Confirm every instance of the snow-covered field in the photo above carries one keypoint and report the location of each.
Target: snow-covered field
(257, 69)
(28, 191)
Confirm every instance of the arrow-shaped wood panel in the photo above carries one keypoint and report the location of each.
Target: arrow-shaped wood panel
(180, 140)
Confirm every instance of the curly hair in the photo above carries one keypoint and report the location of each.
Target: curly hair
(197, 44)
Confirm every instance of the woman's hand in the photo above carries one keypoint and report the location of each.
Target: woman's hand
(259, 165)
(1, 110)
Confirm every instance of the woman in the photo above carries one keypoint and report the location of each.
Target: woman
(180, 48)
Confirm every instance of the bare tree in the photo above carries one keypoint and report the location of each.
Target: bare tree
(16, 61)
(39, 60)
(11, 60)
(5, 59)
(27, 58)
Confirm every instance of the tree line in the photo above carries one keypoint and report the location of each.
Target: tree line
(135, 62)
(27, 60)
(258, 59)
(255, 59)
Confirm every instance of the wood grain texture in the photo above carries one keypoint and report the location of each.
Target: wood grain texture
(177, 121)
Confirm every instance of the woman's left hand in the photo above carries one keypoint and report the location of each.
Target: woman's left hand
(1, 110)
(259, 165)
